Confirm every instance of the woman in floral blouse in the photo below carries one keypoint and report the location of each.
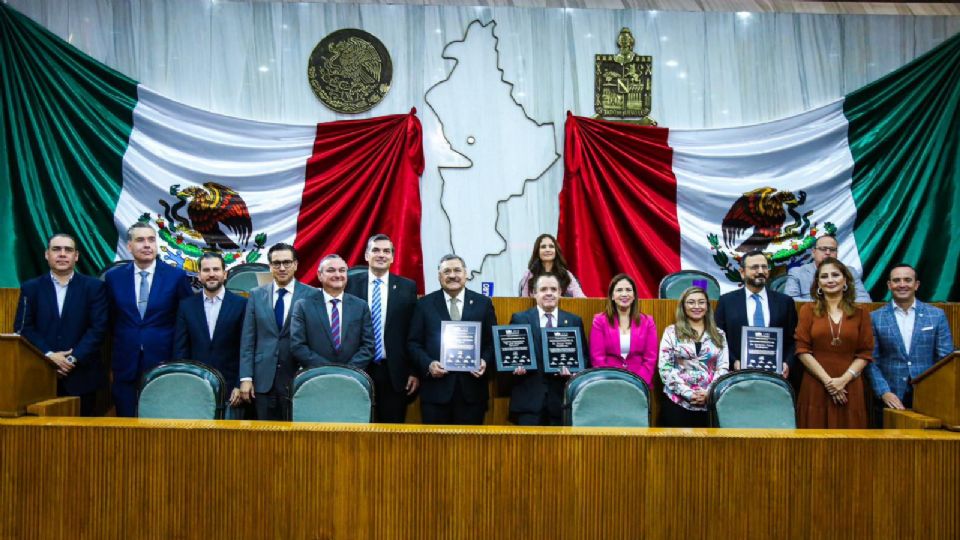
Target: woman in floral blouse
(693, 354)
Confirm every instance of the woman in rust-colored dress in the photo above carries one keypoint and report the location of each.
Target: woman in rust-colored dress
(834, 341)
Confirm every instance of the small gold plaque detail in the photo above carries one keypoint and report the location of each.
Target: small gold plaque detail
(623, 82)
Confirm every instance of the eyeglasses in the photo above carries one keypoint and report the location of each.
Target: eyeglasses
(824, 249)
(755, 267)
(282, 264)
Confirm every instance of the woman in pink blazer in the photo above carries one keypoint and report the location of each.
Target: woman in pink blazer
(622, 337)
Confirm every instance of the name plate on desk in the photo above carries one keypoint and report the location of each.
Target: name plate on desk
(460, 345)
(761, 348)
(562, 347)
(513, 346)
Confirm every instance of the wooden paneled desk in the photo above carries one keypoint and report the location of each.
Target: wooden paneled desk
(129, 479)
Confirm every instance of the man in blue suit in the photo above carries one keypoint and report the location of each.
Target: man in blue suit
(64, 314)
(144, 296)
(332, 327)
(909, 337)
(209, 327)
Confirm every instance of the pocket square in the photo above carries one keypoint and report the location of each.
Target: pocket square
(926, 329)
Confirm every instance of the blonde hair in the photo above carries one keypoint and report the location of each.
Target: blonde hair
(682, 324)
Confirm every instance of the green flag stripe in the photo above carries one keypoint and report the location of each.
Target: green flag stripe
(905, 139)
(66, 124)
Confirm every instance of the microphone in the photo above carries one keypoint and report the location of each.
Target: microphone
(23, 318)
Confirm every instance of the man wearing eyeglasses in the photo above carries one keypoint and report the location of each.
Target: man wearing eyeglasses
(266, 365)
(756, 305)
(800, 279)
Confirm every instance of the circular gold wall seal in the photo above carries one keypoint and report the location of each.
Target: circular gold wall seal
(350, 71)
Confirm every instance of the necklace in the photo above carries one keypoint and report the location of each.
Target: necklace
(836, 337)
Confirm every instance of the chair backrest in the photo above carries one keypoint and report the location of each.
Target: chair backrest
(752, 398)
(333, 394)
(243, 277)
(673, 285)
(778, 283)
(357, 272)
(109, 266)
(185, 390)
(606, 397)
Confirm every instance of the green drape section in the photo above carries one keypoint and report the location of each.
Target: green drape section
(66, 121)
(905, 139)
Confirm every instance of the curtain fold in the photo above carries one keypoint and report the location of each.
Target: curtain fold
(363, 178)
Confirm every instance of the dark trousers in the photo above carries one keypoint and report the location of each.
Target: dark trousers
(455, 412)
(125, 398)
(673, 415)
(542, 418)
(272, 405)
(88, 401)
(390, 406)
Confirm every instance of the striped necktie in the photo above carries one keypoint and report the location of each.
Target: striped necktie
(335, 324)
(376, 312)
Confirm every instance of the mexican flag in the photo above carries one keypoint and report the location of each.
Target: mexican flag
(879, 168)
(89, 151)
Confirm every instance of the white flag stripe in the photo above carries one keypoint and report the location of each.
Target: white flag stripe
(172, 143)
(714, 168)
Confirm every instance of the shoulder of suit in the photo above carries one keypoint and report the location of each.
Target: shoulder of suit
(116, 271)
(164, 267)
(476, 296)
(233, 297)
(34, 282)
(576, 318)
(779, 296)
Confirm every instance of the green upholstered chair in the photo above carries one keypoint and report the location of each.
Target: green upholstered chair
(752, 398)
(182, 390)
(606, 397)
(673, 285)
(111, 265)
(242, 279)
(357, 272)
(333, 394)
(778, 283)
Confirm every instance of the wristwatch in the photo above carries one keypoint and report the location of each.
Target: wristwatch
(853, 373)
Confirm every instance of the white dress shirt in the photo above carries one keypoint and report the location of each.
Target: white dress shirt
(905, 321)
(211, 308)
(543, 317)
(327, 302)
(459, 298)
(752, 306)
(61, 290)
(384, 287)
(287, 298)
(151, 271)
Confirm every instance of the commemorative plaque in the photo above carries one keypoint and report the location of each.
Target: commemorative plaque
(513, 346)
(761, 348)
(562, 347)
(350, 71)
(460, 345)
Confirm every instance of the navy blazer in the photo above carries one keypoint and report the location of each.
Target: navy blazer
(311, 342)
(81, 327)
(141, 344)
(731, 317)
(424, 346)
(531, 390)
(192, 338)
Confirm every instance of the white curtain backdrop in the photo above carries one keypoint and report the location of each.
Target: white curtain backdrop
(249, 59)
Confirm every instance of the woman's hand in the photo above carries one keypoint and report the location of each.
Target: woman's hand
(699, 397)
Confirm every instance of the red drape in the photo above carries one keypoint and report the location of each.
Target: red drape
(363, 178)
(618, 205)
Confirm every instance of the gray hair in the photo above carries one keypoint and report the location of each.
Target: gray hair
(451, 257)
(138, 225)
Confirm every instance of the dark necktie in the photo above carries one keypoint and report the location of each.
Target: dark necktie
(335, 324)
(278, 308)
(549, 320)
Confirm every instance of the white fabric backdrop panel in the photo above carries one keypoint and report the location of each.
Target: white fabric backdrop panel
(249, 59)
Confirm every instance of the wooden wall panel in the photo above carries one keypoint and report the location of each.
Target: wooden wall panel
(103, 479)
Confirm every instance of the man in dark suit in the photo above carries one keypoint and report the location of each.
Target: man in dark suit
(209, 326)
(756, 305)
(332, 327)
(266, 366)
(451, 397)
(536, 398)
(64, 314)
(144, 296)
(391, 299)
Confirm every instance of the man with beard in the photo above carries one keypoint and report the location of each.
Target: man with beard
(451, 397)
(209, 326)
(800, 278)
(756, 305)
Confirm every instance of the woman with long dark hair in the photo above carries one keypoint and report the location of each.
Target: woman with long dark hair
(622, 336)
(547, 258)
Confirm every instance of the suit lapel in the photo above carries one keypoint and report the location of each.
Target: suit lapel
(891, 323)
(440, 306)
(226, 312)
(740, 309)
(48, 295)
(918, 323)
(155, 285)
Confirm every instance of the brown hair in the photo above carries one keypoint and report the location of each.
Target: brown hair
(849, 293)
(682, 325)
(559, 265)
(611, 308)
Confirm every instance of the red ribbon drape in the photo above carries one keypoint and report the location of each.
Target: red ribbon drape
(618, 205)
(363, 178)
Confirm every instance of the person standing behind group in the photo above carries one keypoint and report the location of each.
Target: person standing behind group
(693, 354)
(834, 343)
(621, 336)
(547, 258)
(802, 279)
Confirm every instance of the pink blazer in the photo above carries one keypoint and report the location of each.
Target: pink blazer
(605, 347)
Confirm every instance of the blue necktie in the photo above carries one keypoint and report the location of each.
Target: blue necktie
(375, 312)
(335, 324)
(144, 293)
(278, 308)
(758, 312)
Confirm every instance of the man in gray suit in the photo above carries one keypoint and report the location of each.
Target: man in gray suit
(332, 327)
(266, 366)
(800, 278)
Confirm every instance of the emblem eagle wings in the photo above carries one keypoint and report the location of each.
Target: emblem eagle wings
(763, 211)
(213, 205)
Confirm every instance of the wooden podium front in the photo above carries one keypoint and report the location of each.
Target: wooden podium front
(936, 391)
(26, 377)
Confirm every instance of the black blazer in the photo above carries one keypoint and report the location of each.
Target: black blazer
(424, 346)
(401, 301)
(82, 327)
(192, 339)
(731, 317)
(529, 391)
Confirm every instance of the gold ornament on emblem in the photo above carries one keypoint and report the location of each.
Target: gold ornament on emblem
(350, 71)
(623, 84)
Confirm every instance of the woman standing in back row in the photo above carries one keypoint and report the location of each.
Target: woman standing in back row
(547, 257)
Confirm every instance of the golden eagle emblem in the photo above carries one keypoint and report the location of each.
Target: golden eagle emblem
(208, 208)
(762, 211)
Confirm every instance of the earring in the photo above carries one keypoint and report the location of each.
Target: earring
(844, 287)
(819, 291)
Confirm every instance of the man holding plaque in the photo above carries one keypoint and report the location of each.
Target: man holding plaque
(757, 306)
(536, 398)
(451, 397)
